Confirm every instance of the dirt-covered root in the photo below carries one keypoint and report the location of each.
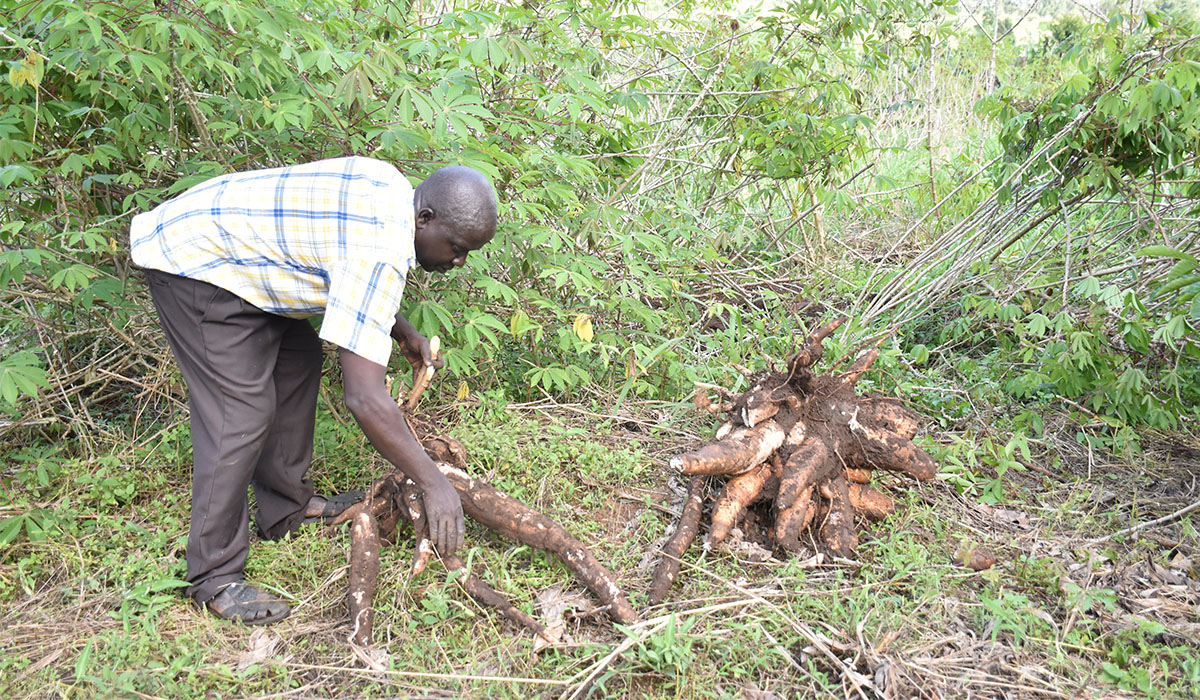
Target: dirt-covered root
(808, 465)
(486, 595)
(412, 509)
(890, 415)
(870, 503)
(498, 511)
(737, 494)
(878, 448)
(736, 453)
(810, 486)
(837, 530)
(858, 476)
(364, 576)
(685, 533)
(408, 507)
(395, 499)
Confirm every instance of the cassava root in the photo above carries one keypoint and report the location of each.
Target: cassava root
(797, 454)
(395, 499)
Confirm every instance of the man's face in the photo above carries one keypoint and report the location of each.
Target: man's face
(441, 246)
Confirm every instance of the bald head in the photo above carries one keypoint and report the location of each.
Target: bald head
(455, 213)
(461, 196)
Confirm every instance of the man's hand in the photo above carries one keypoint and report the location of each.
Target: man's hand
(414, 346)
(444, 510)
(384, 425)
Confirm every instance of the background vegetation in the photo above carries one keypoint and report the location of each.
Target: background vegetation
(1008, 188)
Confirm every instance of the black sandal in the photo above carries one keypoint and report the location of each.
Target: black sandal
(247, 604)
(333, 506)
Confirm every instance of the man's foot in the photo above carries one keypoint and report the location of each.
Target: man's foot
(323, 510)
(250, 605)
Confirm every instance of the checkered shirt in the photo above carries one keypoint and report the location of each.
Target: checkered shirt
(332, 237)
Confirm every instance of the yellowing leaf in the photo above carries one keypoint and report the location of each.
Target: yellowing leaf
(463, 391)
(518, 322)
(28, 72)
(583, 327)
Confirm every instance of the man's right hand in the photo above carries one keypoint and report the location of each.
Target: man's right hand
(384, 425)
(444, 510)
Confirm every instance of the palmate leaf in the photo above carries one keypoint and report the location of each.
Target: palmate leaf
(10, 528)
(21, 373)
(72, 277)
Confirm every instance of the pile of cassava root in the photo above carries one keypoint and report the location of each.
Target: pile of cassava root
(394, 500)
(796, 455)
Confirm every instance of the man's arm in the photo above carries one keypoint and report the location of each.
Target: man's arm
(384, 425)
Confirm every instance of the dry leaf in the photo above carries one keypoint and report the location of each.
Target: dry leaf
(751, 692)
(554, 603)
(262, 647)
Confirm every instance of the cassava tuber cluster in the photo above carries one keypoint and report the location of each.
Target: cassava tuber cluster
(395, 499)
(799, 447)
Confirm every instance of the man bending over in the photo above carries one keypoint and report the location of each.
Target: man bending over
(236, 266)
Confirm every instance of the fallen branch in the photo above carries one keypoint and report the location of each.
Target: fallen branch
(1146, 526)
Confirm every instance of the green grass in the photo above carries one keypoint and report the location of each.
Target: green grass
(91, 609)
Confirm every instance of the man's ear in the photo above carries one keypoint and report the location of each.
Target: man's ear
(425, 215)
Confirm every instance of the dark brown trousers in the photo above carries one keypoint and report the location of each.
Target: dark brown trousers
(252, 381)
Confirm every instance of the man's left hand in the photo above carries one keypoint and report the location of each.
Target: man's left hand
(414, 346)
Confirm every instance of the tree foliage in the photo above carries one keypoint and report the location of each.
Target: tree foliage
(629, 154)
(641, 163)
(1087, 246)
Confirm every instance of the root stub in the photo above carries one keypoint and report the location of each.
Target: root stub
(816, 479)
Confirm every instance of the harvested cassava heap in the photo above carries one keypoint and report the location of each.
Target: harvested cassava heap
(796, 454)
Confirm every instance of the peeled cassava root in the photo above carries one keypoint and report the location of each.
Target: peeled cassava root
(395, 499)
(796, 454)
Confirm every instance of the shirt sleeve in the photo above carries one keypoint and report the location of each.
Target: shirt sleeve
(363, 299)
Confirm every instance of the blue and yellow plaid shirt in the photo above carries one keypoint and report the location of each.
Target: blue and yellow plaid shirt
(332, 237)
